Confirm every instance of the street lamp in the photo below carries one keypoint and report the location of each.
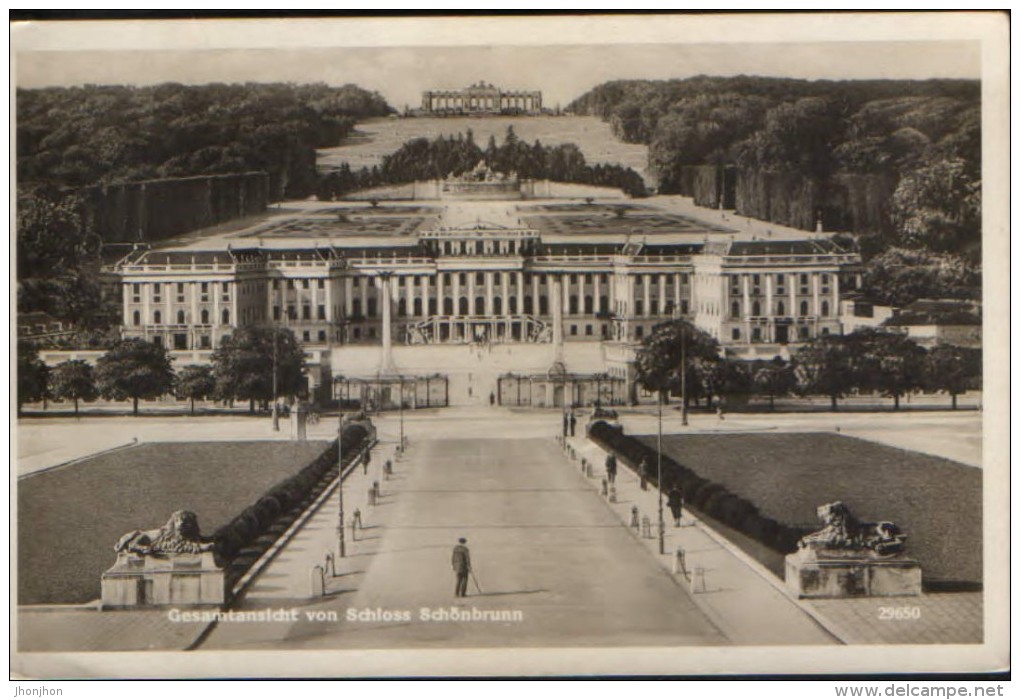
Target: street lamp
(662, 526)
(341, 544)
(276, 412)
(683, 375)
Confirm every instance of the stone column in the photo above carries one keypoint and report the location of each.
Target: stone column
(195, 318)
(597, 293)
(791, 279)
(488, 294)
(348, 296)
(816, 305)
(505, 278)
(471, 294)
(745, 284)
(835, 294)
(770, 312)
(126, 310)
(215, 288)
(386, 365)
(520, 292)
(535, 309)
(646, 284)
(557, 305)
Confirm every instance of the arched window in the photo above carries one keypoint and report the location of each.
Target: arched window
(755, 309)
(780, 309)
(825, 308)
(803, 308)
(157, 317)
(205, 316)
(603, 303)
(448, 306)
(433, 305)
(543, 305)
(372, 308)
(180, 318)
(735, 310)
(736, 334)
(226, 317)
(402, 307)
(479, 305)
(573, 304)
(497, 306)
(512, 305)
(589, 305)
(528, 305)
(463, 306)
(417, 306)
(137, 318)
(356, 308)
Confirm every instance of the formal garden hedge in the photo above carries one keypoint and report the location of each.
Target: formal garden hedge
(242, 541)
(710, 498)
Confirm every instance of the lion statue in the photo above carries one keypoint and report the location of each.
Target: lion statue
(843, 531)
(180, 535)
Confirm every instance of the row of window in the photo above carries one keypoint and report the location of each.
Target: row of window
(780, 308)
(803, 333)
(780, 282)
(305, 283)
(157, 317)
(205, 289)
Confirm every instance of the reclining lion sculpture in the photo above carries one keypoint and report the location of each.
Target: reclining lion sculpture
(180, 535)
(843, 532)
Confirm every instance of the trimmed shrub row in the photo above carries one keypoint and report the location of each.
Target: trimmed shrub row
(708, 497)
(284, 497)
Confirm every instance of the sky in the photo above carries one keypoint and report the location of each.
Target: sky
(564, 72)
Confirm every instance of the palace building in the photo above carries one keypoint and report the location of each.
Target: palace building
(478, 296)
(481, 98)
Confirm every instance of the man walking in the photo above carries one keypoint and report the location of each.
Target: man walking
(461, 566)
(675, 501)
(611, 468)
(643, 473)
(566, 425)
(573, 423)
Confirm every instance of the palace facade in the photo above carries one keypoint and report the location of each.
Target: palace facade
(539, 277)
(481, 98)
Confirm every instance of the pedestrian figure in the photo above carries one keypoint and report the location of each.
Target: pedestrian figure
(573, 423)
(611, 468)
(644, 473)
(566, 425)
(461, 566)
(492, 398)
(675, 501)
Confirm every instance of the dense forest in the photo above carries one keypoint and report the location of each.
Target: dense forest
(80, 136)
(422, 159)
(895, 163)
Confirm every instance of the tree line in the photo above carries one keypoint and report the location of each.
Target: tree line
(923, 138)
(424, 159)
(866, 361)
(72, 137)
(242, 369)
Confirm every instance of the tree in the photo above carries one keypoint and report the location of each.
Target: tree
(938, 206)
(134, 369)
(74, 380)
(825, 366)
(659, 357)
(243, 364)
(33, 374)
(952, 369)
(900, 276)
(195, 382)
(775, 378)
(890, 363)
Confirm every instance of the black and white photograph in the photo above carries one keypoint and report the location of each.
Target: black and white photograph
(540, 345)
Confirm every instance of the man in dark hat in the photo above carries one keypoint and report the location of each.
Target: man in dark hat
(675, 501)
(461, 566)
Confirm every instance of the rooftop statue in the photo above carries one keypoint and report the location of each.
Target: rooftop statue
(844, 534)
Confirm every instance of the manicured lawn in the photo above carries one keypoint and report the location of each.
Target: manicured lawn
(69, 519)
(937, 502)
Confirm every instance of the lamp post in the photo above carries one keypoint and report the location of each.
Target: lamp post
(662, 528)
(341, 544)
(683, 375)
(401, 415)
(276, 411)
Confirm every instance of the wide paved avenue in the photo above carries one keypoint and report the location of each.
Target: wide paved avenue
(542, 543)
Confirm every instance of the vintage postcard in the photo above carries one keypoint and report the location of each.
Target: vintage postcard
(553, 345)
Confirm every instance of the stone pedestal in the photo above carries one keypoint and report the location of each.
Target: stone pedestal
(164, 579)
(820, 574)
(299, 421)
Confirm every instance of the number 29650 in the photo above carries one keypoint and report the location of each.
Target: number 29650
(899, 612)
